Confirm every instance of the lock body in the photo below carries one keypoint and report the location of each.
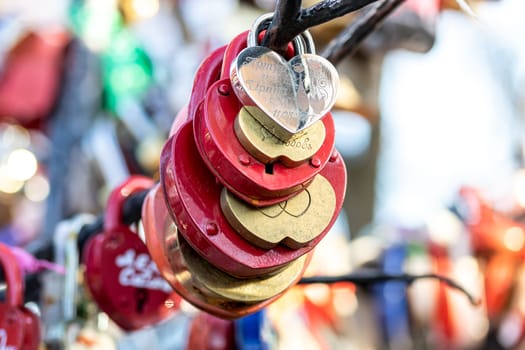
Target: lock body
(121, 276)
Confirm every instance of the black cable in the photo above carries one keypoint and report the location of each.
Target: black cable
(365, 278)
(131, 213)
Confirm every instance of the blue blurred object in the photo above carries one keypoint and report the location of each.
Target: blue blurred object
(254, 332)
(392, 301)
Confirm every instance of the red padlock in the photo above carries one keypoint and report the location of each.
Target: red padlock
(19, 327)
(120, 274)
(30, 78)
(166, 248)
(251, 180)
(193, 197)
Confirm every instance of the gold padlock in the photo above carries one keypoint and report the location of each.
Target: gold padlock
(294, 222)
(216, 283)
(267, 148)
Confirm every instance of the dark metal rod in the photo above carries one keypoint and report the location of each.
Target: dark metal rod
(347, 42)
(289, 21)
(284, 18)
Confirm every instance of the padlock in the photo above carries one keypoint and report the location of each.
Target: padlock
(198, 281)
(292, 95)
(246, 156)
(121, 276)
(185, 176)
(194, 235)
(193, 197)
(19, 327)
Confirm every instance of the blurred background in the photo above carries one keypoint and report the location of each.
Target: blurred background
(429, 119)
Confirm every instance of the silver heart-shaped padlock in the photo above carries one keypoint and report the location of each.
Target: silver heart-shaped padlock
(290, 95)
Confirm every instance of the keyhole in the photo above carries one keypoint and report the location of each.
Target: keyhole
(141, 298)
(268, 168)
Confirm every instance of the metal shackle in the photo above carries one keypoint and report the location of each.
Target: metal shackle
(13, 277)
(302, 43)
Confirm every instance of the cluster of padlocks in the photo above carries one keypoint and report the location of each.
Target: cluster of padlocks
(250, 183)
(250, 178)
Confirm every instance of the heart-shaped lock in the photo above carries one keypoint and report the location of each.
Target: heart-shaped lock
(292, 95)
(248, 159)
(199, 282)
(121, 276)
(193, 197)
(19, 327)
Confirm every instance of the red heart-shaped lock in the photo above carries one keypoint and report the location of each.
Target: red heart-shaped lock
(19, 327)
(121, 276)
(193, 197)
(165, 246)
(244, 175)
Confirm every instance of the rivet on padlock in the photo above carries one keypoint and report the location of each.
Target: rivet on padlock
(120, 274)
(19, 327)
(193, 198)
(258, 169)
(198, 281)
(293, 94)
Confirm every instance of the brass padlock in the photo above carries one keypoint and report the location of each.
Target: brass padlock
(267, 148)
(294, 222)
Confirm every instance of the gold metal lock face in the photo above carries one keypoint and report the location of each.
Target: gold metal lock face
(267, 148)
(294, 222)
(216, 283)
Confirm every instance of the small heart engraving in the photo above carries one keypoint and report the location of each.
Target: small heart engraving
(293, 95)
(294, 222)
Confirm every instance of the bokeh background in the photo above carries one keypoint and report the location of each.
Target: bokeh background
(429, 120)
